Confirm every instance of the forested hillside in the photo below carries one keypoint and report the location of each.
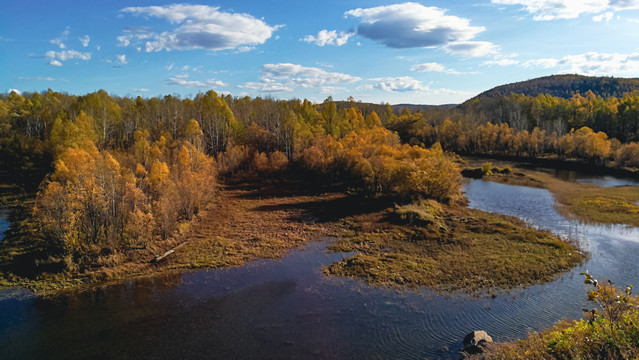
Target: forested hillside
(564, 86)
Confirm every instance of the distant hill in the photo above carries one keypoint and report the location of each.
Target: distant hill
(565, 85)
(414, 107)
(397, 108)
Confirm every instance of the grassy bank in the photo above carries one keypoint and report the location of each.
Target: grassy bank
(586, 202)
(609, 331)
(449, 248)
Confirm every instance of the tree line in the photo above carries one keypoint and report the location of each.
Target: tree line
(542, 126)
(126, 173)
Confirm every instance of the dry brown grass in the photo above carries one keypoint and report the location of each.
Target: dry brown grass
(254, 221)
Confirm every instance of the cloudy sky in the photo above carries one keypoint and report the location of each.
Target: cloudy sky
(425, 52)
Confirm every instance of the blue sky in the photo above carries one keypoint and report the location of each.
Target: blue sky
(424, 52)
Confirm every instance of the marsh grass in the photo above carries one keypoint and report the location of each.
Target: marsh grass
(473, 251)
(611, 205)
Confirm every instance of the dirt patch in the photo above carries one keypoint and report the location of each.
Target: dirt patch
(256, 221)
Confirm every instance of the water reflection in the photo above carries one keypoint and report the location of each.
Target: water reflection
(4, 221)
(288, 309)
(584, 177)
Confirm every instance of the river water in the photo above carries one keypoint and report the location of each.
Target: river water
(4, 221)
(287, 309)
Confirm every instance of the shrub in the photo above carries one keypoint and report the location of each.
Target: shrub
(609, 331)
(373, 161)
(423, 212)
(486, 168)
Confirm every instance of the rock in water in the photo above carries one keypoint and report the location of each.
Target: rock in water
(476, 341)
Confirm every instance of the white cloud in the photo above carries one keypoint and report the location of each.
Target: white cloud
(411, 25)
(500, 62)
(434, 67)
(301, 76)
(607, 16)
(85, 40)
(15, 91)
(429, 67)
(123, 40)
(472, 48)
(591, 63)
(325, 37)
(65, 55)
(569, 9)
(182, 76)
(402, 84)
(60, 39)
(265, 87)
(243, 49)
(36, 78)
(407, 85)
(141, 89)
(543, 62)
(194, 83)
(331, 90)
(57, 57)
(287, 77)
(198, 27)
(121, 59)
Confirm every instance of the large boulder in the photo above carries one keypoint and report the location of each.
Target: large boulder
(476, 341)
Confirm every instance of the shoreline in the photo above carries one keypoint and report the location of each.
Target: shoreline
(581, 201)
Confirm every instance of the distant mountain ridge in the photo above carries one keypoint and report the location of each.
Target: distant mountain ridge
(565, 85)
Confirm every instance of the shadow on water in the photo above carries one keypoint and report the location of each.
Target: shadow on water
(288, 309)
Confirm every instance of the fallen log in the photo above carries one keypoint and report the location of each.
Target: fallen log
(159, 258)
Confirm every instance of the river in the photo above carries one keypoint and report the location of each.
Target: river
(287, 309)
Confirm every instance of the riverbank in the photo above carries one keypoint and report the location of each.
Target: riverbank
(248, 221)
(609, 331)
(582, 201)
